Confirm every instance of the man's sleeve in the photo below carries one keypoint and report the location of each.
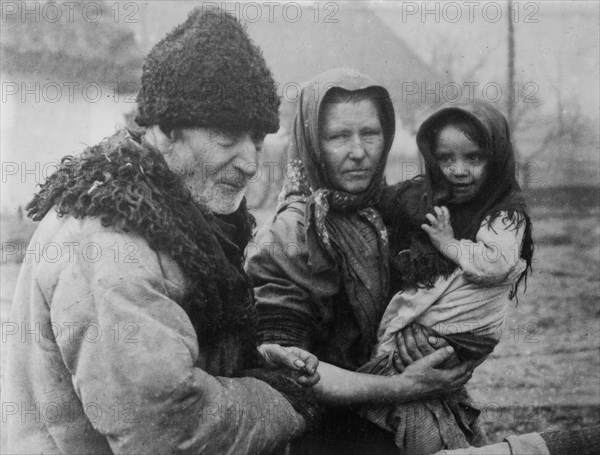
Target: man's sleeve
(132, 353)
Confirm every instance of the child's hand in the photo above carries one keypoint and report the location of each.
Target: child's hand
(440, 232)
(302, 363)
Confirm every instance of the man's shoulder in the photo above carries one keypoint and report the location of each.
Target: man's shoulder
(65, 240)
(57, 227)
(103, 250)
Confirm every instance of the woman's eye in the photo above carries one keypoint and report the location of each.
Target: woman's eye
(371, 134)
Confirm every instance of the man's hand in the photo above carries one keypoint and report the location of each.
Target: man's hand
(301, 362)
(427, 379)
(440, 231)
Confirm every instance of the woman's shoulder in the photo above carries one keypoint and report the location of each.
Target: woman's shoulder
(286, 223)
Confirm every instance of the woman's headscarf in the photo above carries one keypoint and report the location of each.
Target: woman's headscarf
(329, 221)
(413, 254)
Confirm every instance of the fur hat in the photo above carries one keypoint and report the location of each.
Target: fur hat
(207, 72)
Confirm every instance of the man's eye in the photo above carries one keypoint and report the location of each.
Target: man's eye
(223, 138)
(258, 137)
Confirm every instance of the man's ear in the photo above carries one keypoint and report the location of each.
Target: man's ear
(158, 139)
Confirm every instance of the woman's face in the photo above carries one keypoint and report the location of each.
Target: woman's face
(463, 162)
(351, 140)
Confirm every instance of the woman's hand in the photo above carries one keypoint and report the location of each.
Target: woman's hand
(415, 342)
(301, 362)
(421, 380)
(425, 377)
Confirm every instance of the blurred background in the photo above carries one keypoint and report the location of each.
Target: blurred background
(70, 73)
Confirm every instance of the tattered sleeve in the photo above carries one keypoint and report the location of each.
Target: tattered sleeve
(293, 291)
(133, 357)
(496, 251)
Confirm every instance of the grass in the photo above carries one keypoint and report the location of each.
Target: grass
(545, 373)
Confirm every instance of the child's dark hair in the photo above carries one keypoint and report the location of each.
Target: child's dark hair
(465, 126)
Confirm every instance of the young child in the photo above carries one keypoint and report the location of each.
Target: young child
(461, 243)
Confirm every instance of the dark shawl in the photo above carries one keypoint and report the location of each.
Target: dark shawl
(414, 260)
(327, 222)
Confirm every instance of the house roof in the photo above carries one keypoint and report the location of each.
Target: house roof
(72, 47)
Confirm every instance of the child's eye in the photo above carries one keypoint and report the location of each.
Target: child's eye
(444, 158)
(476, 158)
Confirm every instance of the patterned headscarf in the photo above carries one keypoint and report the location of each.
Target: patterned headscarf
(330, 218)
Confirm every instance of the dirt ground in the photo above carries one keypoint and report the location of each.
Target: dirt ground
(545, 374)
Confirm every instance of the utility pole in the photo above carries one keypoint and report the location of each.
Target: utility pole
(510, 100)
(511, 66)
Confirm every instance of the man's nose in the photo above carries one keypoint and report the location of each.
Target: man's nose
(247, 156)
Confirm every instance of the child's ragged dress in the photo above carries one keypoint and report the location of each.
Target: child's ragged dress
(468, 309)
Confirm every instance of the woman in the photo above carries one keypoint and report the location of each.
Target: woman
(321, 275)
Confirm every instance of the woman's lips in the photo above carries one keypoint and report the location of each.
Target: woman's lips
(358, 172)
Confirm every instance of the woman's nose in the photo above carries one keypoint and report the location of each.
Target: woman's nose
(357, 149)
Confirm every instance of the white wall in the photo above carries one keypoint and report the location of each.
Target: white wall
(40, 125)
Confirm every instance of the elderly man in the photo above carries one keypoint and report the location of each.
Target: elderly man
(135, 334)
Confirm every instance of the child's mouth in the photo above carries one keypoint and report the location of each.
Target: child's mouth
(461, 187)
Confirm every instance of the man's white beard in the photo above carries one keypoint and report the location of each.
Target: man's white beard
(219, 200)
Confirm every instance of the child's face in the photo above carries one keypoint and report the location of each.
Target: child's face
(462, 161)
